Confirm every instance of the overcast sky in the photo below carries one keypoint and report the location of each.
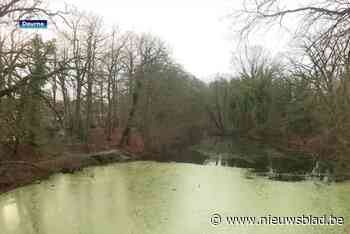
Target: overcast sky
(198, 31)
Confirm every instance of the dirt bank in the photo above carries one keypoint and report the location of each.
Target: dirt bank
(17, 173)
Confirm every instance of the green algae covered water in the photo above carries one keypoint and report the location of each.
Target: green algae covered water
(168, 198)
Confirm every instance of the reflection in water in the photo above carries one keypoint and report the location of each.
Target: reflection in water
(172, 198)
(268, 161)
(10, 215)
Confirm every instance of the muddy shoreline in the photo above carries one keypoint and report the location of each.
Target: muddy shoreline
(14, 174)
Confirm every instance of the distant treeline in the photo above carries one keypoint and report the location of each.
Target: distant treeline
(57, 91)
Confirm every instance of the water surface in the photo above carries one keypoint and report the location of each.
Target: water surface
(166, 198)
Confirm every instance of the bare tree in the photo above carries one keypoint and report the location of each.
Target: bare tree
(325, 69)
(15, 42)
(328, 18)
(149, 50)
(13, 10)
(93, 39)
(112, 61)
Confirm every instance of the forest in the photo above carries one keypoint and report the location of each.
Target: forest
(106, 128)
(87, 87)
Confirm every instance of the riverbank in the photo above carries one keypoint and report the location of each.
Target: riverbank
(287, 165)
(17, 173)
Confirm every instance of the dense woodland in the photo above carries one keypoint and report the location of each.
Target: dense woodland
(60, 92)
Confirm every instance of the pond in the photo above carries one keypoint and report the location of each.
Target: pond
(147, 197)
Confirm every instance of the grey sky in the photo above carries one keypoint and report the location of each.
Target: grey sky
(197, 30)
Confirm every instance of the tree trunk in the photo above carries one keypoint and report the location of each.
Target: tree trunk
(129, 123)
